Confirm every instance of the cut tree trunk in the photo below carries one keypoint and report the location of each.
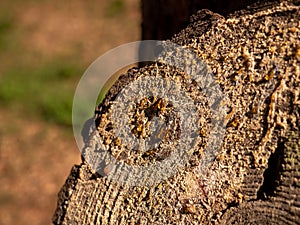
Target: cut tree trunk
(254, 55)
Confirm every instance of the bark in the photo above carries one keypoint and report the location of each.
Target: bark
(255, 56)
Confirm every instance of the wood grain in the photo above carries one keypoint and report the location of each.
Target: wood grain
(255, 57)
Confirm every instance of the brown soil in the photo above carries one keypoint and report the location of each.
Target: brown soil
(35, 159)
(56, 27)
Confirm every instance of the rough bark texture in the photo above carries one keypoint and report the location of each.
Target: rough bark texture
(255, 178)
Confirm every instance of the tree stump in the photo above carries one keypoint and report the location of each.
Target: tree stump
(254, 55)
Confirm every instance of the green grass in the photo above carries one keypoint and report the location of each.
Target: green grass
(33, 85)
(115, 7)
(57, 109)
(45, 91)
(6, 24)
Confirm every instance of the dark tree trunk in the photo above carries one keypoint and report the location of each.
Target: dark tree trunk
(164, 18)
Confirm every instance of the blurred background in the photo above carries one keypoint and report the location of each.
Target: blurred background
(45, 47)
